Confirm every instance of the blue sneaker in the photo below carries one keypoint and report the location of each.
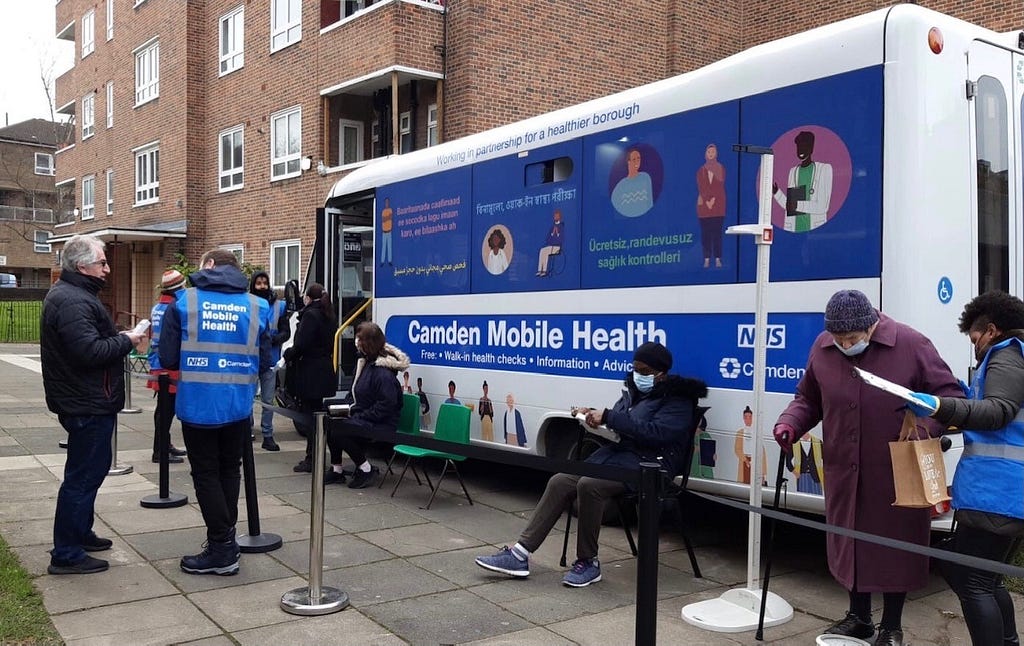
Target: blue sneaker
(505, 562)
(583, 573)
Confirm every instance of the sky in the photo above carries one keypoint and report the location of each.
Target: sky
(27, 46)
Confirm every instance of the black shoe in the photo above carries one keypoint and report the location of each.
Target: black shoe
(176, 451)
(333, 477)
(270, 445)
(216, 558)
(94, 543)
(363, 479)
(171, 459)
(852, 626)
(305, 466)
(889, 637)
(87, 565)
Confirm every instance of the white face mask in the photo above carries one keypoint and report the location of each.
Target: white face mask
(855, 349)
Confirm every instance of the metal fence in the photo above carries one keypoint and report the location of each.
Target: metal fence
(20, 310)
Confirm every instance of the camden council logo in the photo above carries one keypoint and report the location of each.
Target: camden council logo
(729, 367)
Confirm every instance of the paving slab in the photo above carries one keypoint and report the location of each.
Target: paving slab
(531, 637)
(251, 569)
(373, 517)
(247, 606)
(348, 626)
(35, 558)
(339, 551)
(120, 584)
(454, 617)
(169, 620)
(419, 539)
(132, 521)
(385, 581)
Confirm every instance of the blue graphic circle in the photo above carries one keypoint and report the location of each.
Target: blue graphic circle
(945, 290)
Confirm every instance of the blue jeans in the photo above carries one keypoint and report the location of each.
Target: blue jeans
(268, 395)
(88, 461)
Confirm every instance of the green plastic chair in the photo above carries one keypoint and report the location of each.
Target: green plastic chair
(409, 423)
(452, 426)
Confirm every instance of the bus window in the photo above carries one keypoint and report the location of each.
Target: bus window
(993, 186)
(547, 172)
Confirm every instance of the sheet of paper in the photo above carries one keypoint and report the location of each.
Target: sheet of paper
(891, 388)
(601, 431)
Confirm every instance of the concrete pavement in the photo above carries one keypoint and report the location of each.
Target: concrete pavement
(408, 571)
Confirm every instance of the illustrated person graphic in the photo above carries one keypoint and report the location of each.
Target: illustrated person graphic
(497, 261)
(807, 465)
(809, 188)
(744, 447)
(406, 388)
(424, 403)
(704, 457)
(486, 409)
(711, 205)
(516, 436)
(451, 394)
(386, 225)
(634, 194)
(552, 244)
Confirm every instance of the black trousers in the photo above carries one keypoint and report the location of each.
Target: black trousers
(171, 397)
(215, 455)
(340, 441)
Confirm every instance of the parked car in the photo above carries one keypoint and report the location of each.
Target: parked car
(8, 280)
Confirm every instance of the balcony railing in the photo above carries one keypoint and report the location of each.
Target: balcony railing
(26, 214)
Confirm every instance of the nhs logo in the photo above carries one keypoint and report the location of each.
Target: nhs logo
(197, 362)
(776, 337)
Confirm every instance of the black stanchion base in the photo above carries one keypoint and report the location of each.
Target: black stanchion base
(172, 500)
(62, 444)
(264, 542)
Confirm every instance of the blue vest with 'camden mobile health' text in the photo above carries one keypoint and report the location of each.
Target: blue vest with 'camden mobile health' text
(991, 469)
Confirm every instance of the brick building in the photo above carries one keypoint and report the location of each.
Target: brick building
(224, 123)
(29, 201)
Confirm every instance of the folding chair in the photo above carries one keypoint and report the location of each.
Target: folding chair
(408, 423)
(452, 426)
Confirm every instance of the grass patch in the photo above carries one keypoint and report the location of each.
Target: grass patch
(19, 321)
(23, 619)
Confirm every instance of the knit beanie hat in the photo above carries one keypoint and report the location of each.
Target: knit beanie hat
(655, 355)
(172, 280)
(849, 310)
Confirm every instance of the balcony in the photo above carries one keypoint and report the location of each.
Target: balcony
(26, 214)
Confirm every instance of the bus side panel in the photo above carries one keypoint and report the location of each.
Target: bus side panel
(827, 139)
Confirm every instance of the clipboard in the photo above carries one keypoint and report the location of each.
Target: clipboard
(600, 431)
(891, 388)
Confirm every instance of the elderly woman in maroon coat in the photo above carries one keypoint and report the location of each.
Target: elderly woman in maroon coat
(858, 422)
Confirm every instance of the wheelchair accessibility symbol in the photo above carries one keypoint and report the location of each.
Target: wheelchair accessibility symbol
(945, 290)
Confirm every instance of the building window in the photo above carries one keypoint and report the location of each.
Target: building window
(41, 242)
(147, 72)
(231, 159)
(405, 132)
(285, 143)
(432, 132)
(110, 191)
(147, 175)
(110, 19)
(285, 23)
(236, 249)
(232, 41)
(44, 164)
(284, 262)
(88, 115)
(88, 32)
(110, 104)
(351, 142)
(88, 197)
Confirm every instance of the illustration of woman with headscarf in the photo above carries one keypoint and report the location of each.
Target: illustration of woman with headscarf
(711, 205)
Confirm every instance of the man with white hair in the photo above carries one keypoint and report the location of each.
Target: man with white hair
(83, 377)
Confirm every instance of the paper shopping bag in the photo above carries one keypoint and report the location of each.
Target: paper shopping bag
(918, 471)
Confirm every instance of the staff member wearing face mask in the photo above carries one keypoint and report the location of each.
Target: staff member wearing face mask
(655, 418)
(858, 422)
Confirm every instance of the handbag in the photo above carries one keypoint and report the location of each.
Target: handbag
(918, 470)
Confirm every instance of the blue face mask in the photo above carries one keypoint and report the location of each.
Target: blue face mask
(855, 349)
(643, 383)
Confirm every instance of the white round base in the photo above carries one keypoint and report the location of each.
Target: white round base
(736, 611)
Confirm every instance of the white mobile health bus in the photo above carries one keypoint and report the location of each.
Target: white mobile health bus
(520, 267)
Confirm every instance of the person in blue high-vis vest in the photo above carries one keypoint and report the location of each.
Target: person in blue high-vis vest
(988, 486)
(216, 335)
(171, 281)
(279, 331)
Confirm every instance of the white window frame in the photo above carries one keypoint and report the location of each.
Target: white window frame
(110, 191)
(88, 32)
(285, 244)
(147, 72)
(41, 247)
(405, 130)
(290, 157)
(230, 173)
(88, 197)
(46, 169)
(360, 141)
(237, 249)
(110, 104)
(285, 30)
(234, 58)
(433, 133)
(110, 19)
(88, 115)
(147, 183)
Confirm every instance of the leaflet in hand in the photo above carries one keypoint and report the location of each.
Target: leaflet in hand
(141, 326)
(601, 431)
(892, 388)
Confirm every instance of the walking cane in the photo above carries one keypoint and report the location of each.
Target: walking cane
(759, 635)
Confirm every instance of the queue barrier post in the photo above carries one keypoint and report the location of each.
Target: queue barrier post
(128, 408)
(255, 542)
(164, 499)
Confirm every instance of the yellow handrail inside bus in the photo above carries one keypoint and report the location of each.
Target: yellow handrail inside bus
(346, 324)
